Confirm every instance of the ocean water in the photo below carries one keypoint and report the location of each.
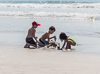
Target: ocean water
(78, 19)
(51, 9)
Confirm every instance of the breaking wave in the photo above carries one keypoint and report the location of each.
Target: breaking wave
(50, 15)
(30, 5)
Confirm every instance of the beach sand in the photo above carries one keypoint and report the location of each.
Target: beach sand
(14, 59)
(18, 60)
(79, 20)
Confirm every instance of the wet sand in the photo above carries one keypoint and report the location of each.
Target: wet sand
(17, 60)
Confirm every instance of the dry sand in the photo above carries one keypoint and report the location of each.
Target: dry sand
(17, 60)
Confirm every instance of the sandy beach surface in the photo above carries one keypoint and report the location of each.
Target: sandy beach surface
(79, 19)
(17, 60)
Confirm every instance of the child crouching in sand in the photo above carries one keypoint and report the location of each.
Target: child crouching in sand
(46, 35)
(31, 35)
(67, 40)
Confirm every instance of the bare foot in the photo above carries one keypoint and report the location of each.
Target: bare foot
(26, 45)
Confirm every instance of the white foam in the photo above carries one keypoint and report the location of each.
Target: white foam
(73, 5)
(50, 15)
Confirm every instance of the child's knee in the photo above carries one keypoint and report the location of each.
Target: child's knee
(74, 44)
(69, 42)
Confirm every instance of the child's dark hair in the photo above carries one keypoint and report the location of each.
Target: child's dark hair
(52, 28)
(62, 36)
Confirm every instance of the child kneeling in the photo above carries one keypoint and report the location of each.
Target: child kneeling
(46, 35)
(66, 39)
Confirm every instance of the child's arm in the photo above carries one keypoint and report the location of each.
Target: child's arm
(35, 37)
(48, 39)
(53, 37)
(63, 44)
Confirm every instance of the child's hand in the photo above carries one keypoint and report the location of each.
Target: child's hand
(36, 37)
(37, 42)
(54, 38)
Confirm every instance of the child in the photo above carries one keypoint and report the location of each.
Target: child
(31, 35)
(46, 35)
(67, 40)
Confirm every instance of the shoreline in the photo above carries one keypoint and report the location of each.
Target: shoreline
(86, 44)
